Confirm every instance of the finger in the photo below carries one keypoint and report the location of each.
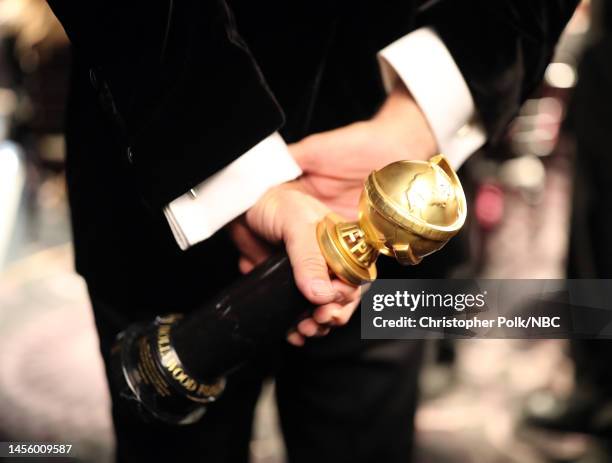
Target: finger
(245, 265)
(344, 314)
(335, 314)
(324, 314)
(295, 338)
(308, 327)
(309, 267)
(345, 294)
(323, 331)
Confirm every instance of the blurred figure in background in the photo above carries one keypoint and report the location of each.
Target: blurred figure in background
(589, 408)
(34, 74)
(36, 62)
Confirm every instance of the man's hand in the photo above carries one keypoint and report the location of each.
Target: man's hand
(336, 163)
(286, 214)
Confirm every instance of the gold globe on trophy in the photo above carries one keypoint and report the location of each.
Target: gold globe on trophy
(408, 210)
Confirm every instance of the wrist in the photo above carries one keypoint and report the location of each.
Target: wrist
(401, 119)
(266, 216)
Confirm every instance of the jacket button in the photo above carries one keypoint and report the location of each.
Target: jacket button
(130, 155)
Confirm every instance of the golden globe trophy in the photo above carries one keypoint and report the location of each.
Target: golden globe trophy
(171, 368)
(407, 210)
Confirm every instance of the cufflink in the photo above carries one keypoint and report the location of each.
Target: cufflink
(130, 155)
(464, 131)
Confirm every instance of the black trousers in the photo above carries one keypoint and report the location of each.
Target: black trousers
(340, 398)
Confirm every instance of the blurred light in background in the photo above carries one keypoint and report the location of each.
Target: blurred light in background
(12, 178)
(525, 173)
(489, 206)
(560, 75)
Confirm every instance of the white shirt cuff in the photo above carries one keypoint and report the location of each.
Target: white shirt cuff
(199, 213)
(424, 64)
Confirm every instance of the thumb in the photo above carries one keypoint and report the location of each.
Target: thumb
(309, 267)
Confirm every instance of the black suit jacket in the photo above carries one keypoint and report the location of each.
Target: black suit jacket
(165, 93)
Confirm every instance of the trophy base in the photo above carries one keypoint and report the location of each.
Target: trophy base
(347, 253)
(141, 381)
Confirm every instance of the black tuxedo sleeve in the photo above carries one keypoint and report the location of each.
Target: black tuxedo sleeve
(502, 48)
(179, 83)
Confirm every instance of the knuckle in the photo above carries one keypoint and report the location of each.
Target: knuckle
(342, 319)
(313, 264)
(345, 314)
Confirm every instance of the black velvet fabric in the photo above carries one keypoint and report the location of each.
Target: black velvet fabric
(502, 48)
(165, 93)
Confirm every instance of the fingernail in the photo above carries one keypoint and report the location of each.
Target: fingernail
(323, 331)
(339, 297)
(307, 327)
(321, 316)
(321, 288)
(295, 339)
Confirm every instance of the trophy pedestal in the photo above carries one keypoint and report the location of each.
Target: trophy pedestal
(171, 369)
(346, 250)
